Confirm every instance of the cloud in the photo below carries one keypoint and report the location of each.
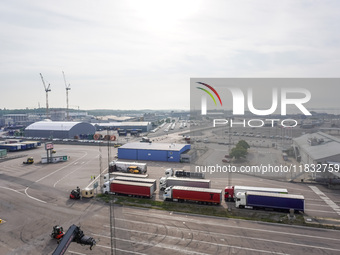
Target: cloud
(141, 54)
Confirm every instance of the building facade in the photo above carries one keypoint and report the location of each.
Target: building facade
(153, 151)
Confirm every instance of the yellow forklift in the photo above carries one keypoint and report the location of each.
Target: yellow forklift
(29, 161)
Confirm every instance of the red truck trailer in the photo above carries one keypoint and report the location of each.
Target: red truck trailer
(132, 188)
(203, 195)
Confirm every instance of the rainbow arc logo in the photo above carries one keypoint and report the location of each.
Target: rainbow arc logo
(204, 99)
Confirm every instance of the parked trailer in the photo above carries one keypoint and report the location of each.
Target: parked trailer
(125, 167)
(106, 185)
(263, 200)
(30, 144)
(139, 180)
(200, 195)
(132, 188)
(165, 182)
(231, 191)
(183, 173)
(116, 174)
(11, 147)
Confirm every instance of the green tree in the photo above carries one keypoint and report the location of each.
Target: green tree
(238, 152)
(243, 144)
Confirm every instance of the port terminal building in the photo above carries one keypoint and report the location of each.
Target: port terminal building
(319, 149)
(169, 152)
(128, 126)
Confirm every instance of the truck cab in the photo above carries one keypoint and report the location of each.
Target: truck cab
(106, 188)
(229, 193)
(162, 183)
(106, 178)
(167, 195)
(240, 201)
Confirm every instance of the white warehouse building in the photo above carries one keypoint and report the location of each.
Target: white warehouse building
(319, 148)
(59, 129)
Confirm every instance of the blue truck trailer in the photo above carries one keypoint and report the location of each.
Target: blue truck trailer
(264, 200)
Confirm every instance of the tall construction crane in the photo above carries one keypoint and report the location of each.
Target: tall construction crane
(67, 89)
(47, 89)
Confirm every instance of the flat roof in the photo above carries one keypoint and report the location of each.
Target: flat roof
(154, 146)
(329, 147)
(120, 124)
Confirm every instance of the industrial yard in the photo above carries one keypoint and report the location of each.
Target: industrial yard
(40, 192)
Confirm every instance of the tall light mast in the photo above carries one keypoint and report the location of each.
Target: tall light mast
(68, 87)
(47, 89)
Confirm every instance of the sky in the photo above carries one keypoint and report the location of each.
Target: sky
(141, 54)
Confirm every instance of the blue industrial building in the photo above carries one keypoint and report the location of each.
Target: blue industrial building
(153, 151)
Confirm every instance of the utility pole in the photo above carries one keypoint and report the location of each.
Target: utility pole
(112, 209)
(229, 173)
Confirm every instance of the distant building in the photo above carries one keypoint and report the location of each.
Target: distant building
(128, 126)
(58, 115)
(15, 119)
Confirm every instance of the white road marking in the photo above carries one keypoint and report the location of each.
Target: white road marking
(67, 175)
(327, 200)
(130, 252)
(34, 198)
(183, 249)
(12, 190)
(42, 178)
(320, 211)
(237, 227)
(315, 205)
(78, 253)
(226, 235)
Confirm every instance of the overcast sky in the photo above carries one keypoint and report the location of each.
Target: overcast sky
(142, 54)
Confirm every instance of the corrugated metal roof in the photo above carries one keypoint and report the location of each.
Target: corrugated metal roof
(52, 125)
(329, 147)
(127, 123)
(154, 146)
